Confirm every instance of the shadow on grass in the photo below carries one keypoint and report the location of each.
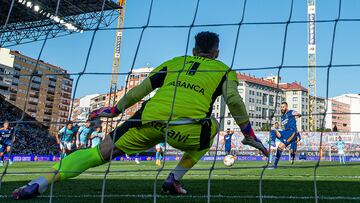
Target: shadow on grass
(136, 190)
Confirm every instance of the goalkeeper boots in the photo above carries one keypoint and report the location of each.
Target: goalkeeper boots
(172, 186)
(26, 192)
(255, 142)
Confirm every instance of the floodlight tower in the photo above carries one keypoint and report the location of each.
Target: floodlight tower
(311, 119)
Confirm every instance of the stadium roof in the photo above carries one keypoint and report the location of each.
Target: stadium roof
(31, 20)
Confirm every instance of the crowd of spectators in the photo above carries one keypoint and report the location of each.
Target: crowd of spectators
(31, 137)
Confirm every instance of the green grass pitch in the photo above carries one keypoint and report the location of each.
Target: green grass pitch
(336, 183)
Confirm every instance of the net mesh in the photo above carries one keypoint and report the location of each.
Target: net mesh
(239, 25)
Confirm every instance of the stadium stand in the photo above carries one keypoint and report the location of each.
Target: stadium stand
(31, 136)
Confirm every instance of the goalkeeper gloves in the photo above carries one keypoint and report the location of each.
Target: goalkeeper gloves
(108, 112)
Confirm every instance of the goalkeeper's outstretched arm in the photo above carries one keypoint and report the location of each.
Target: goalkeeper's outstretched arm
(155, 80)
(234, 102)
(132, 97)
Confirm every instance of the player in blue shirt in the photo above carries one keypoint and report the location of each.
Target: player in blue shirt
(340, 145)
(6, 139)
(277, 141)
(293, 147)
(83, 135)
(160, 148)
(288, 135)
(65, 138)
(227, 141)
(96, 137)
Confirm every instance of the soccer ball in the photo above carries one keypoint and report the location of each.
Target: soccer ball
(229, 160)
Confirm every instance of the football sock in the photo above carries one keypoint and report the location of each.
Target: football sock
(292, 156)
(247, 130)
(185, 164)
(157, 155)
(278, 155)
(179, 172)
(43, 183)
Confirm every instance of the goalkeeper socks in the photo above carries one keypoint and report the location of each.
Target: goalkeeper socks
(42, 182)
(79, 161)
(179, 172)
(247, 130)
(278, 155)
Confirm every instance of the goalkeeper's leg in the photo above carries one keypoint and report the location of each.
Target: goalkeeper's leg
(71, 166)
(172, 184)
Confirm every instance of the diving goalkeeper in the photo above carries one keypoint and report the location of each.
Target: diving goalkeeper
(198, 81)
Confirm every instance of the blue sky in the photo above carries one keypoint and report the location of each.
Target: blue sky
(258, 45)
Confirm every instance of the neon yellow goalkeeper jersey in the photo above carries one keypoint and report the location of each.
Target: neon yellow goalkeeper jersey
(198, 86)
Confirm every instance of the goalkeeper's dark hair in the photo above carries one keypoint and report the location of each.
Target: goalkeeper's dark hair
(206, 42)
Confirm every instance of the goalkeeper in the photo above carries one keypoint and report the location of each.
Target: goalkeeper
(198, 81)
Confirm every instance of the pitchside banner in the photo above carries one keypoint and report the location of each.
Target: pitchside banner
(309, 144)
(46, 158)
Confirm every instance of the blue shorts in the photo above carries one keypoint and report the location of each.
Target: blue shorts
(287, 137)
(4, 145)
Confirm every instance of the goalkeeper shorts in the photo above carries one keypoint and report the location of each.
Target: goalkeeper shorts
(195, 139)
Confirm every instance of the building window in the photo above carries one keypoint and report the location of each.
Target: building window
(295, 105)
(295, 99)
(294, 93)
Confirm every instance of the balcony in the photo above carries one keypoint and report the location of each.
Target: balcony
(51, 92)
(52, 86)
(67, 96)
(33, 103)
(51, 99)
(34, 95)
(63, 116)
(64, 108)
(35, 88)
(68, 90)
(65, 102)
(47, 112)
(46, 120)
(31, 110)
(49, 106)
(36, 82)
